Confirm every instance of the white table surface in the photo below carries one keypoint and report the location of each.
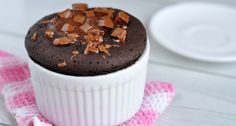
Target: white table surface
(206, 92)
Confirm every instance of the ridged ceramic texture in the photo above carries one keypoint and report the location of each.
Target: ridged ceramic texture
(103, 100)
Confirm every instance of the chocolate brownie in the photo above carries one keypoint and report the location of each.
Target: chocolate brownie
(86, 41)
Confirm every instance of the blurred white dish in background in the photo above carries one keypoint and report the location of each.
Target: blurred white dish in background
(198, 30)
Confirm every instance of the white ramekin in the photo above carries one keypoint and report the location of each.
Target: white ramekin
(103, 100)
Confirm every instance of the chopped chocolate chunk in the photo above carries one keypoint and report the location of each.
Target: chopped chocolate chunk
(61, 65)
(123, 16)
(102, 48)
(34, 36)
(85, 27)
(49, 33)
(67, 28)
(90, 13)
(65, 14)
(93, 49)
(107, 12)
(120, 34)
(79, 18)
(80, 6)
(61, 41)
(73, 37)
(106, 22)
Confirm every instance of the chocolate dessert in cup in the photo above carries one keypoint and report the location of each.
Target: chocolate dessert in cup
(88, 65)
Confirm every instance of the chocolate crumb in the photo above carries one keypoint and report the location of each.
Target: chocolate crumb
(34, 36)
(61, 65)
(49, 33)
(116, 40)
(75, 52)
(104, 57)
(124, 27)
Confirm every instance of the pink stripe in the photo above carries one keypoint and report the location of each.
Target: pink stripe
(156, 86)
(142, 118)
(10, 74)
(4, 54)
(20, 100)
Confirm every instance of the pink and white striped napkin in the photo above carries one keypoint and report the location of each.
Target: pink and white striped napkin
(17, 91)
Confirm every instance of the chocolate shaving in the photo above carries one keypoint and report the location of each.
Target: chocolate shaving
(103, 48)
(106, 22)
(45, 22)
(79, 18)
(73, 37)
(61, 65)
(120, 34)
(67, 28)
(62, 41)
(34, 36)
(86, 50)
(93, 49)
(65, 14)
(80, 6)
(49, 33)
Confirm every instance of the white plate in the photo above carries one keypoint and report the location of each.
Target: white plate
(199, 30)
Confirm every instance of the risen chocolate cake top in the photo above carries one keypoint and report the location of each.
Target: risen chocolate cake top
(86, 41)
